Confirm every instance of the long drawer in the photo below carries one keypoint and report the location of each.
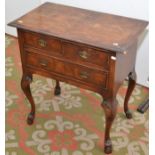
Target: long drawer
(74, 71)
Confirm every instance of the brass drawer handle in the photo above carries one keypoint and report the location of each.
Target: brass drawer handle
(84, 54)
(43, 63)
(84, 75)
(42, 43)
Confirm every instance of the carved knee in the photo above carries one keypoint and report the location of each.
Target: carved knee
(26, 80)
(109, 108)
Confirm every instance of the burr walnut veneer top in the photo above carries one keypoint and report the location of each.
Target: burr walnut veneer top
(100, 30)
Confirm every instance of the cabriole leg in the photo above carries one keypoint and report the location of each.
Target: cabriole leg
(131, 86)
(25, 85)
(110, 108)
(57, 90)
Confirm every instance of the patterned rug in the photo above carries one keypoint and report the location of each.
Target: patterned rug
(71, 124)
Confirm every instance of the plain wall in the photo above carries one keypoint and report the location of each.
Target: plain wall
(130, 8)
(15, 9)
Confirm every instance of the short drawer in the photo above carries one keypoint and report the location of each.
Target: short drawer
(69, 70)
(85, 55)
(46, 44)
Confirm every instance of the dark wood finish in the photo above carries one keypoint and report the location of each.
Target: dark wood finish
(110, 108)
(84, 26)
(131, 86)
(40, 41)
(86, 55)
(88, 75)
(57, 90)
(92, 50)
(25, 85)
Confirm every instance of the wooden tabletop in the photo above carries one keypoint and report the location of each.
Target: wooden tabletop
(101, 30)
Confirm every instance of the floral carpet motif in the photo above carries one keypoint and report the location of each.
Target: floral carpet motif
(71, 124)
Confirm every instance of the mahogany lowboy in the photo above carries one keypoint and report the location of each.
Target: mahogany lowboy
(91, 50)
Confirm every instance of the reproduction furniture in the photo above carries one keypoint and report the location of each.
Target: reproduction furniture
(92, 50)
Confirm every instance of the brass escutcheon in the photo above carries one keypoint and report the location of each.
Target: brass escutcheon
(84, 75)
(43, 63)
(83, 54)
(42, 43)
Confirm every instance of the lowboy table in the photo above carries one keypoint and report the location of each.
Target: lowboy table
(92, 50)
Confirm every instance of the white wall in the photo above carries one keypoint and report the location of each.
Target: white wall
(130, 8)
(15, 9)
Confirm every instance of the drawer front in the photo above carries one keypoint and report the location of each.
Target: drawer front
(86, 55)
(46, 43)
(74, 71)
